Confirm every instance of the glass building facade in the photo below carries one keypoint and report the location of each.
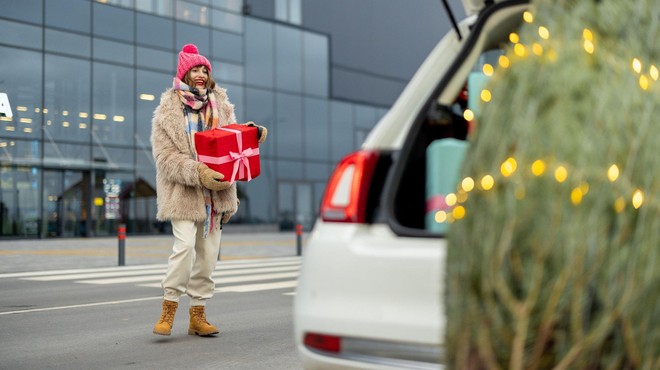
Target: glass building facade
(83, 78)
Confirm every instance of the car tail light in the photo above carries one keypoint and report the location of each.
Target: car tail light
(345, 198)
(323, 342)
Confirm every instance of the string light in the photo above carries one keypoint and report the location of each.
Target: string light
(520, 50)
(538, 167)
(637, 65)
(561, 173)
(468, 115)
(653, 72)
(576, 196)
(451, 199)
(488, 69)
(613, 173)
(643, 82)
(544, 33)
(458, 212)
(514, 38)
(528, 16)
(486, 95)
(467, 184)
(487, 182)
(637, 199)
(537, 48)
(587, 34)
(440, 217)
(508, 167)
(588, 46)
(503, 61)
(619, 205)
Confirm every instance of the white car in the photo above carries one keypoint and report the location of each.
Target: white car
(370, 288)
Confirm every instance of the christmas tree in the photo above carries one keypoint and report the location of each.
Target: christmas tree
(554, 256)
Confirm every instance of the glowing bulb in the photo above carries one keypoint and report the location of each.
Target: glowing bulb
(561, 173)
(637, 199)
(468, 115)
(544, 33)
(637, 65)
(514, 38)
(587, 35)
(653, 71)
(440, 217)
(520, 50)
(537, 48)
(487, 182)
(588, 46)
(508, 167)
(467, 184)
(613, 173)
(643, 82)
(576, 196)
(538, 167)
(450, 199)
(458, 212)
(503, 61)
(584, 187)
(461, 196)
(488, 69)
(528, 17)
(486, 95)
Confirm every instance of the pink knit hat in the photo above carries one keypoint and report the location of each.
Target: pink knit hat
(189, 57)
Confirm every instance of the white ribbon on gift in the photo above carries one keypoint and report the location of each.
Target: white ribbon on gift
(240, 159)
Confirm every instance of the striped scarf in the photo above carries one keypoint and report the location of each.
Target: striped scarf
(201, 113)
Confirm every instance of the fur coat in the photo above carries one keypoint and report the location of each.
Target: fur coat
(179, 190)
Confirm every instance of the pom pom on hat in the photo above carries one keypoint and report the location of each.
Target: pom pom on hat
(189, 57)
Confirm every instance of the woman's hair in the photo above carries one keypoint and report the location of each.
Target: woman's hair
(210, 82)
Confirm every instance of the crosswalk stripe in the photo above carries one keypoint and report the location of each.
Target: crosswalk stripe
(258, 287)
(241, 279)
(159, 277)
(146, 271)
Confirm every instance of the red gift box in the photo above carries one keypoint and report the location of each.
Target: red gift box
(232, 150)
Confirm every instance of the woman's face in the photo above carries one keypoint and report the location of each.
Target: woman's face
(199, 76)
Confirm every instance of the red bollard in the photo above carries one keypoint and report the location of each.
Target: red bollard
(121, 238)
(299, 231)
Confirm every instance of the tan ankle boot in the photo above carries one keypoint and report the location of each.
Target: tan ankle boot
(166, 321)
(198, 324)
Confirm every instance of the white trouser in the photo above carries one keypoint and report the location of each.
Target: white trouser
(191, 263)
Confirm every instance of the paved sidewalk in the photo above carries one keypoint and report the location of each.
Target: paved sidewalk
(70, 253)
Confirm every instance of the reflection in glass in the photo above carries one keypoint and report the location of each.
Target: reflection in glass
(289, 132)
(288, 59)
(259, 53)
(113, 99)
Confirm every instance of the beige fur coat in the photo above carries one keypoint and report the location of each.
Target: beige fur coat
(179, 191)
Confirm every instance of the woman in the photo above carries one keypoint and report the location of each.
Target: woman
(191, 195)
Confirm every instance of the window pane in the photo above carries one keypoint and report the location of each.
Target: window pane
(259, 104)
(19, 191)
(67, 119)
(316, 64)
(20, 82)
(365, 117)
(295, 12)
(316, 131)
(156, 59)
(233, 5)
(259, 52)
(257, 206)
(68, 14)
(68, 43)
(288, 134)
(235, 94)
(227, 46)
(193, 13)
(58, 154)
(223, 71)
(155, 31)
(113, 51)
(20, 35)
(150, 85)
(113, 104)
(189, 33)
(160, 7)
(288, 74)
(113, 22)
(227, 21)
(24, 152)
(24, 10)
(341, 130)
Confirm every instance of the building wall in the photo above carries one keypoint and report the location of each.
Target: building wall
(83, 78)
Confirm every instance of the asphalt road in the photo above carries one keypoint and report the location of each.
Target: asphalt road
(102, 318)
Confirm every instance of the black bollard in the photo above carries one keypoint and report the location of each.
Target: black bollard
(121, 239)
(299, 232)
